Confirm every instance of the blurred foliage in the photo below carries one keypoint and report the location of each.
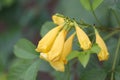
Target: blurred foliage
(25, 18)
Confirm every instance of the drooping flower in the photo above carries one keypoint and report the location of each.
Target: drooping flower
(59, 64)
(103, 54)
(67, 47)
(58, 20)
(60, 61)
(83, 39)
(46, 42)
(57, 47)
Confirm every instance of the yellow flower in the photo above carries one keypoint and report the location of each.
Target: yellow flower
(57, 47)
(67, 47)
(46, 42)
(57, 20)
(83, 38)
(59, 64)
(60, 61)
(103, 54)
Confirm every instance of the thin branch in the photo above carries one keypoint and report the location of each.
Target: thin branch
(115, 59)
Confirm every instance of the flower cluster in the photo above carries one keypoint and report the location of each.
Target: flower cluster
(54, 47)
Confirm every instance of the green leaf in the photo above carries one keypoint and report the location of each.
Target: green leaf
(91, 3)
(24, 70)
(96, 3)
(73, 54)
(86, 4)
(1, 66)
(45, 67)
(117, 73)
(94, 74)
(86, 54)
(25, 49)
(6, 2)
(31, 72)
(8, 39)
(84, 58)
(18, 69)
(46, 27)
(95, 49)
(3, 76)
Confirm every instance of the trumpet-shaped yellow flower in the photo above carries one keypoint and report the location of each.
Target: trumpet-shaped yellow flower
(67, 47)
(46, 42)
(83, 38)
(103, 54)
(59, 64)
(60, 61)
(57, 20)
(57, 47)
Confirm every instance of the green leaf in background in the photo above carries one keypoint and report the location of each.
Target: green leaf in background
(25, 49)
(95, 48)
(72, 55)
(117, 73)
(18, 69)
(7, 40)
(6, 2)
(86, 4)
(94, 74)
(31, 72)
(85, 55)
(91, 3)
(3, 76)
(45, 67)
(84, 58)
(46, 27)
(1, 66)
(96, 3)
(24, 70)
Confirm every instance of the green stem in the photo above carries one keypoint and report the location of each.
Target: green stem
(68, 71)
(115, 59)
(111, 34)
(112, 76)
(117, 19)
(93, 12)
(96, 18)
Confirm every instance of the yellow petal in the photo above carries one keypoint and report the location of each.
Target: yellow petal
(67, 48)
(44, 56)
(57, 20)
(58, 65)
(103, 55)
(57, 47)
(46, 42)
(83, 38)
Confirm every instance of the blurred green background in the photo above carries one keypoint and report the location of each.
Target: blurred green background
(24, 19)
